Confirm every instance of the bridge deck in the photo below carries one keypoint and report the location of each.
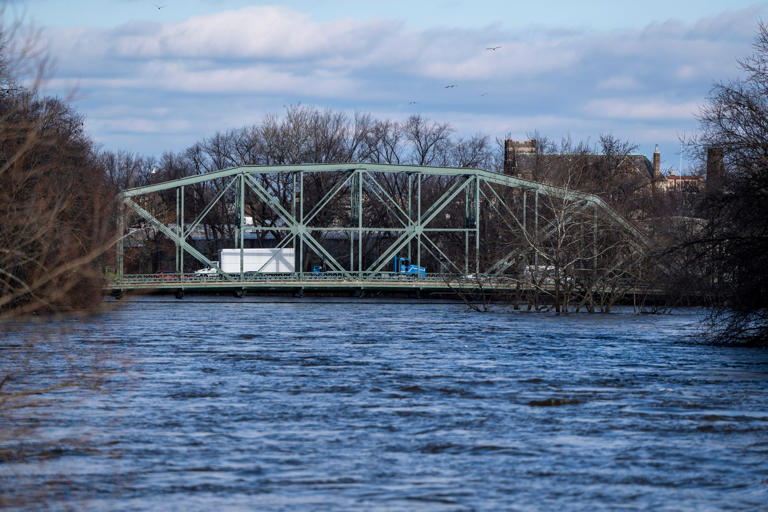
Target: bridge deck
(308, 281)
(336, 282)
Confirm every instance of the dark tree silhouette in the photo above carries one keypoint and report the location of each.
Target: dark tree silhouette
(728, 256)
(55, 203)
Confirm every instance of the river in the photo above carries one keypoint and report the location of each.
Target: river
(354, 405)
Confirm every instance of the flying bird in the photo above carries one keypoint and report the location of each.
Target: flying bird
(451, 86)
(159, 6)
(493, 48)
(411, 102)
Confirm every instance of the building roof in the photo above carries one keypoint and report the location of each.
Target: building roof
(527, 161)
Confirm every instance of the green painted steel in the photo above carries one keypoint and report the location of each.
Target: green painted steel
(490, 177)
(412, 232)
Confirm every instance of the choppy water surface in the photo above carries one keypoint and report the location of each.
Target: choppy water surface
(358, 406)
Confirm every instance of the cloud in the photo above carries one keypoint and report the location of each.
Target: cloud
(260, 78)
(619, 82)
(263, 32)
(617, 108)
(140, 125)
(209, 73)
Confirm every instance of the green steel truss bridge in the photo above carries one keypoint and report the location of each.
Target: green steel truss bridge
(467, 227)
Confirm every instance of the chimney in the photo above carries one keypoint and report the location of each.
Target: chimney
(512, 148)
(509, 157)
(715, 170)
(656, 164)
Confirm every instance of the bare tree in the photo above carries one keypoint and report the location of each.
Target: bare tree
(125, 170)
(726, 258)
(56, 208)
(429, 141)
(385, 142)
(56, 224)
(474, 152)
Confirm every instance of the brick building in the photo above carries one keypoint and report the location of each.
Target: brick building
(525, 160)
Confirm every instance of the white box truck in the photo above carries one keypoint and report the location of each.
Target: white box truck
(258, 260)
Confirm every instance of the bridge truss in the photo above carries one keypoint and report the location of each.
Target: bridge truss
(353, 219)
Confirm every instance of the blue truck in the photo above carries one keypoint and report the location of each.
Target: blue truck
(403, 266)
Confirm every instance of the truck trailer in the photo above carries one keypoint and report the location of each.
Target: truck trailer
(258, 260)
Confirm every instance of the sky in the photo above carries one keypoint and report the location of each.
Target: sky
(152, 76)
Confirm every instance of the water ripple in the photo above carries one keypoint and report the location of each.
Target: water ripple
(418, 406)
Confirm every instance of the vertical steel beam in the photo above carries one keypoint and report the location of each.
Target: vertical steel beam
(360, 224)
(294, 194)
(466, 251)
(410, 211)
(183, 236)
(594, 237)
(121, 238)
(477, 225)
(525, 215)
(536, 229)
(236, 210)
(241, 232)
(467, 223)
(301, 224)
(353, 214)
(525, 197)
(178, 231)
(418, 221)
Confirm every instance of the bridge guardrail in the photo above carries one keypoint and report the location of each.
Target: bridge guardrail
(339, 280)
(257, 277)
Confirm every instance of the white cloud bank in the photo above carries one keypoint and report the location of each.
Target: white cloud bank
(619, 108)
(214, 72)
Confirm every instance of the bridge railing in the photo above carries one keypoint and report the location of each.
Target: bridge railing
(457, 282)
(170, 278)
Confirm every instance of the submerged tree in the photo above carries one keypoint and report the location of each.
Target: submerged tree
(727, 258)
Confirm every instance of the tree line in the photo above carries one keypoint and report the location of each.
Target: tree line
(57, 189)
(56, 202)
